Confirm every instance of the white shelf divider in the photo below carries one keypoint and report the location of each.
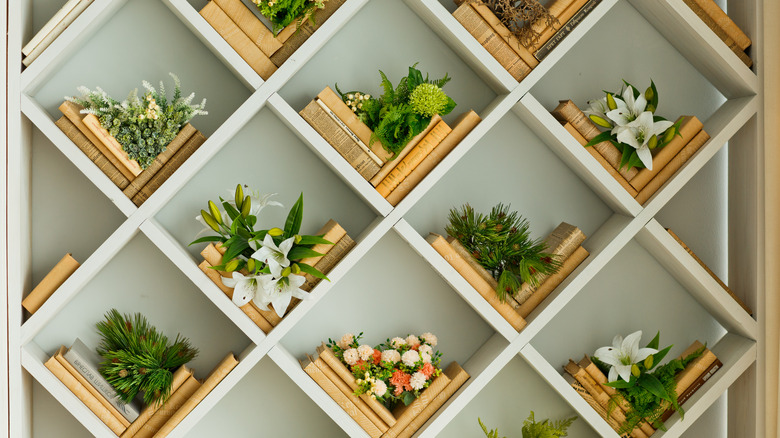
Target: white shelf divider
(292, 367)
(696, 280)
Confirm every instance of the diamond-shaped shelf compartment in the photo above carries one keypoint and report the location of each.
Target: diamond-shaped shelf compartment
(138, 279)
(524, 391)
(643, 288)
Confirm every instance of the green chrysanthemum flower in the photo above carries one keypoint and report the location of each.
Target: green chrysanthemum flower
(428, 100)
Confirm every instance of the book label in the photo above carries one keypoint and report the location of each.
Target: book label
(566, 29)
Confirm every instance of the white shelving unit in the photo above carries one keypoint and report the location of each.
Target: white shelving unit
(392, 282)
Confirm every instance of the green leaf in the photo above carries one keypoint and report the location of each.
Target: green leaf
(312, 271)
(207, 239)
(654, 386)
(655, 341)
(313, 240)
(449, 107)
(301, 252)
(408, 398)
(293, 223)
(231, 211)
(654, 100)
(234, 250)
(658, 357)
(604, 136)
(620, 384)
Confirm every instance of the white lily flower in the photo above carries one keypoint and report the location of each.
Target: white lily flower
(623, 354)
(639, 132)
(279, 293)
(246, 288)
(599, 108)
(274, 256)
(259, 200)
(628, 109)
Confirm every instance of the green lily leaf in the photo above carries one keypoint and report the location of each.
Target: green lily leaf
(312, 271)
(313, 240)
(620, 384)
(301, 252)
(231, 211)
(604, 136)
(234, 250)
(293, 223)
(654, 100)
(658, 357)
(655, 342)
(207, 239)
(654, 386)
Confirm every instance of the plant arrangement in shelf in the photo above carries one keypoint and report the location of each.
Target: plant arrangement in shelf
(396, 371)
(265, 263)
(145, 125)
(400, 113)
(138, 358)
(523, 18)
(283, 12)
(640, 381)
(631, 124)
(534, 429)
(500, 242)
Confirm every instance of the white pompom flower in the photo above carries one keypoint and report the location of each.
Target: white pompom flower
(397, 342)
(417, 381)
(425, 349)
(430, 339)
(346, 341)
(413, 341)
(351, 356)
(365, 352)
(379, 388)
(392, 356)
(426, 358)
(410, 358)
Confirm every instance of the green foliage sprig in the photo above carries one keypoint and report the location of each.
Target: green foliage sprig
(283, 12)
(142, 125)
(500, 242)
(401, 112)
(138, 358)
(534, 429)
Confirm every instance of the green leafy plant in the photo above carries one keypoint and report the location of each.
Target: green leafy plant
(138, 358)
(650, 388)
(500, 242)
(142, 125)
(534, 429)
(283, 12)
(401, 112)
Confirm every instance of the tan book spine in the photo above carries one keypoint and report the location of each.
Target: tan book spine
(458, 376)
(688, 130)
(72, 110)
(332, 232)
(563, 18)
(443, 247)
(330, 388)
(49, 26)
(169, 408)
(92, 152)
(92, 390)
(326, 354)
(712, 274)
(166, 171)
(603, 161)
(390, 165)
(220, 372)
(248, 309)
(363, 132)
(83, 394)
(297, 39)
(593, 403)
(339, 250)
(252, 27)
(292, 28)
(405, 414)
(491, 41)
(345, 389)
(562, 242)
(555, 8)
(498, 27)
(698, 383)
(340, 140)
(742, 56)
(363, 146)
(670, 169)
(238, 40)
(693, 370)
(724, 22)
(179, 377)
(93, 124)
(59, 27)
(552, 282)
(567, 111)
(181, 138)
(464, 254)
(413, 158)
(50, 283)
(465, 123)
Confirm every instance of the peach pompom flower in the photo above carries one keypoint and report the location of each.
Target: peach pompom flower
(351, 356)
(430, 339)
(346, 341)
(365, 352)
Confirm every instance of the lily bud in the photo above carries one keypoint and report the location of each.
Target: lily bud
(649, 94)
(275, 232)
(250, 265)
(215, 212)
(209, 220)
(650, 107)
(239, 196)
(649, 362)
(611, 104)
(298, 238)
(247, 207)
(635, 370)
(232, 265)
(653, 142)
(600, 121)
(669, 135)
(286, 271)
(296, 269)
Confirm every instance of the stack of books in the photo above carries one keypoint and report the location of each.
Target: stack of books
(517, 59)
(588, 380)
(249, 36)
(720, 23)
(50, 283)
(268, 319)
(378, 421)
(641, 184)
(77, 368)
(565, 242)
(104, 150)
(393, 179)
(52, 29)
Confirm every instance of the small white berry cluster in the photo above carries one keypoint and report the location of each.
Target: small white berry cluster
(355, 100)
